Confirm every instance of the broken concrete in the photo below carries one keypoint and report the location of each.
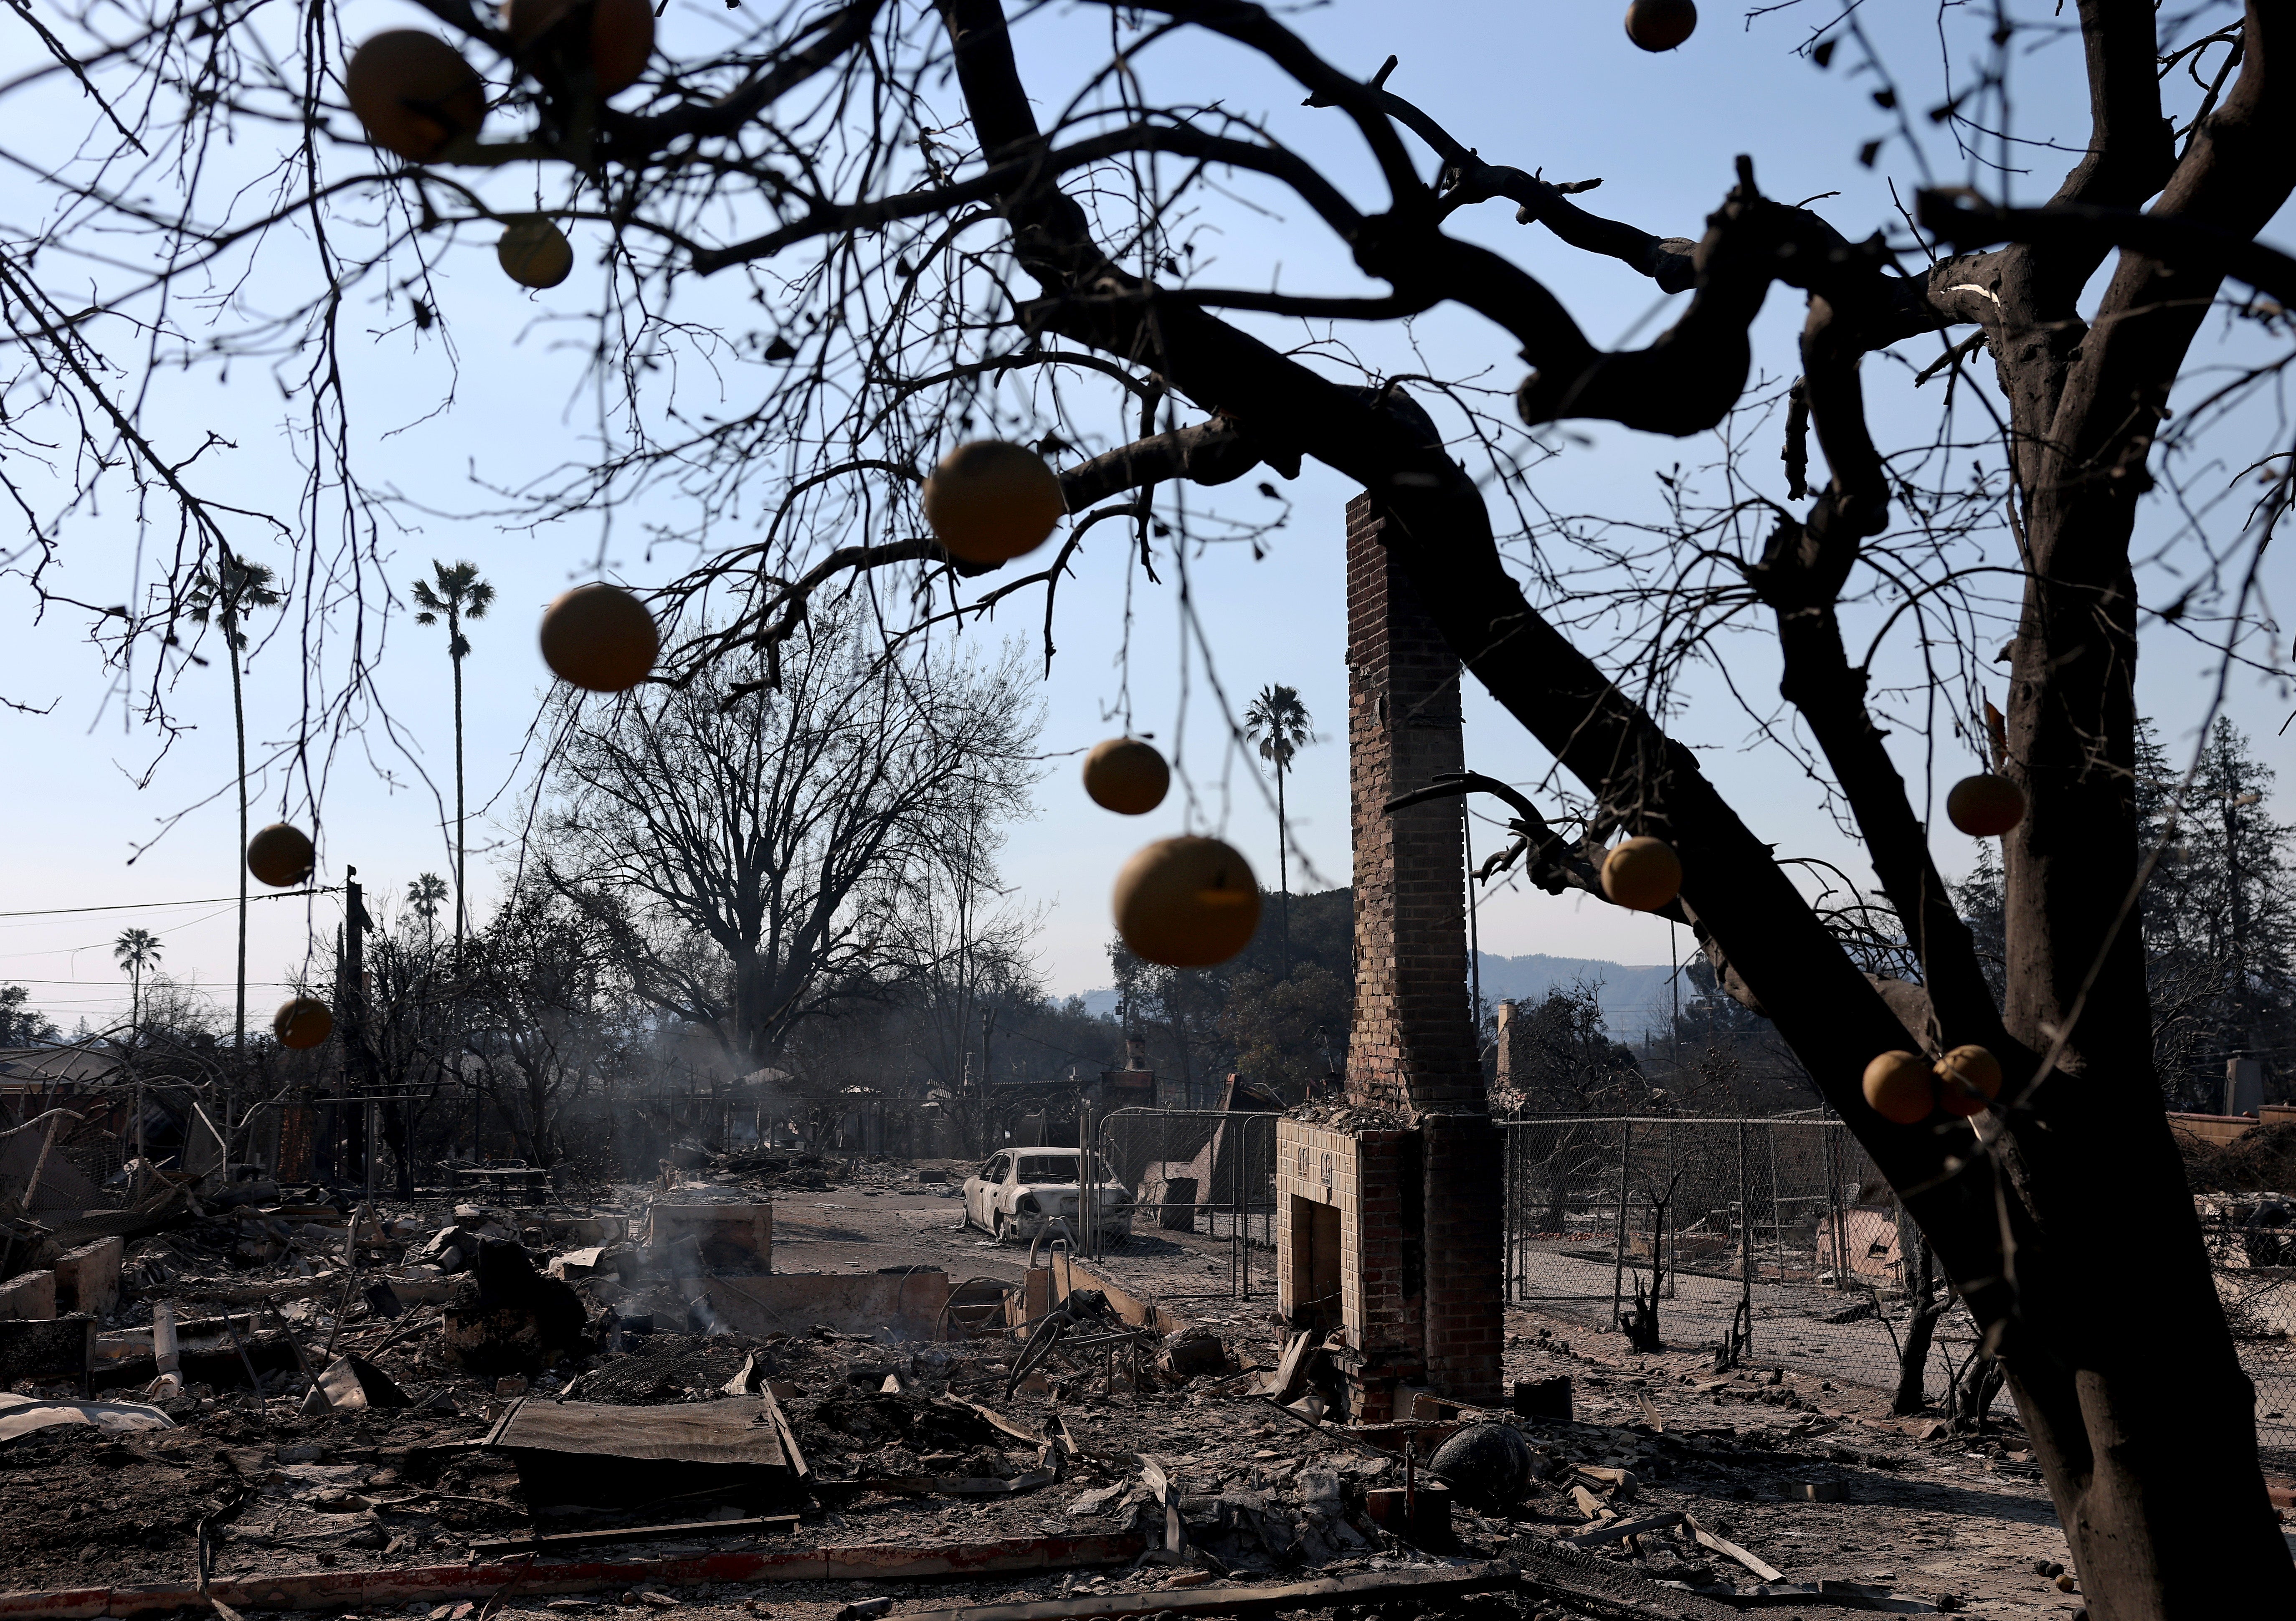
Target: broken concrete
(87, 1279)
(28, 1297)
(726, 1238)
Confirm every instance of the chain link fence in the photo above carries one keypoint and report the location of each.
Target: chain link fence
(1780, 1234)
(1777, 1237)
(66, 1159)
(1774, 1234)
(1203, 1186)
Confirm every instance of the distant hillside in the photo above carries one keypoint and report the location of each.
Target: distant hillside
(1634, 998)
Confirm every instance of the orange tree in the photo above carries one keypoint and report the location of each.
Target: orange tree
(945, 251)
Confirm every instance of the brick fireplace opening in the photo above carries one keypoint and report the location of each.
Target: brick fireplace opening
(1391, 1201)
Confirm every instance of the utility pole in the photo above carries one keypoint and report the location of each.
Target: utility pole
(350, 992)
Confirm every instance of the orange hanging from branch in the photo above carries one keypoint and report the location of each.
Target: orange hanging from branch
(600, 638)
(620, 36)
(415, 93)
(281, 855)
(1968, 1079)
(1125, 775)
(1660, 25)
(534, 252)
(1985, 807)
(1642, 874)
(1186, 903)
(303, 1022)
(992, 501)
(1901, 1088)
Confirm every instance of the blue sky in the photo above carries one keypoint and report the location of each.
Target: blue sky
(1543, 86)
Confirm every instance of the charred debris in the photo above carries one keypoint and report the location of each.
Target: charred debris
(273, 1396)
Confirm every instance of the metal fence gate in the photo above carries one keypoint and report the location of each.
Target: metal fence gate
(1203, 1186)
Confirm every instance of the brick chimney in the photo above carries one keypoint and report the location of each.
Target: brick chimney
(1413, 1050)
(1394, 1230)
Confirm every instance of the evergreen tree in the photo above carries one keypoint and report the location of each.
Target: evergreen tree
(2220, 918)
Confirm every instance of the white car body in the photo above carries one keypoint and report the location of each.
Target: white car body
(1017, 1190)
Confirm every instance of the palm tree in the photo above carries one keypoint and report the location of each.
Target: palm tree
(221, 596)
(1280, 723)
(459, 594)
(135, 950)
(423, 894)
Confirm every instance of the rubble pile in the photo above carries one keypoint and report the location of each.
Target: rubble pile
(287, 1379)
(2259, 1161)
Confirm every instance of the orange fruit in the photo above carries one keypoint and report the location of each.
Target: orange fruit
(1125, 775)
(992, 501)
(415, 93)
(1901, 1088)
(599, 637)
(1985, 807)
(534, 252)
(281, 855)
(1968, 1079)
(1660, 25)
(304, 1022)
(1642, 874)
(1187, 902)
(621, 34)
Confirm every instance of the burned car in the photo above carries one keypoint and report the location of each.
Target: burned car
(1019, 1190)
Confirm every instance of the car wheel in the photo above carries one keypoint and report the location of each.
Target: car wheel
(1003, 1230)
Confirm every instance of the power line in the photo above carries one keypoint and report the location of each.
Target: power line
(212, 900)
(179, 983)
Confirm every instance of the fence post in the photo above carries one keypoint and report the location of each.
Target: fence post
(1240, 1261)
(1619, 1254)
(1835, 1220)
(1745, 1245)
(1777, 1221)
(1509, 1221)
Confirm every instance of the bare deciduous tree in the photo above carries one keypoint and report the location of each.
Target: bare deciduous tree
(758, 859)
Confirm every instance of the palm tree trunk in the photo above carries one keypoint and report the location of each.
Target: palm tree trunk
(454, 654)
(239, 737)
(1283, 865)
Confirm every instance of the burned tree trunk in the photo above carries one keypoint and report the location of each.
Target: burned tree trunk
(1928, 1298)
